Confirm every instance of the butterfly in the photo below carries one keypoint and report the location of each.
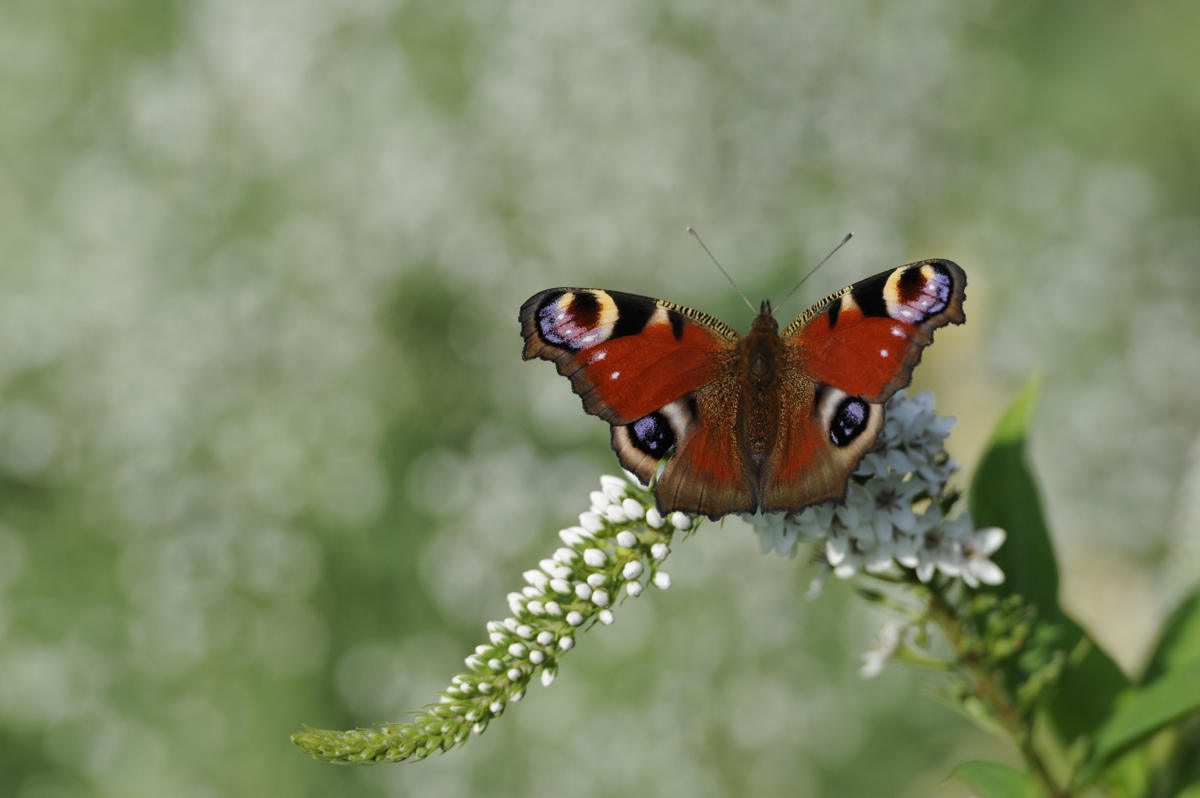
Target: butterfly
(765, 422)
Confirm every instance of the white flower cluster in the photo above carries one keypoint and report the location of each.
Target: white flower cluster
(876, 528)
(620, 543)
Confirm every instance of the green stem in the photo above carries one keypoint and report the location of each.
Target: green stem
(990, 691)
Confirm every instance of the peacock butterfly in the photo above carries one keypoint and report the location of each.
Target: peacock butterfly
(768, 422)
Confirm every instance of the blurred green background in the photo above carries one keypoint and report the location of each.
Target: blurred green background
(268, 453)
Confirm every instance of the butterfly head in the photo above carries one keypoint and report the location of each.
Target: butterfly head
(765, 319)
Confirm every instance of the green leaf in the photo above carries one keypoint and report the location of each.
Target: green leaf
(1004, 494)
(1179, 641)
(1143, 712)
(1088, 689)
(1178, 648)
(994, 780)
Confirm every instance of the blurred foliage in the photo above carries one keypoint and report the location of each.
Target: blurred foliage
(267, 451)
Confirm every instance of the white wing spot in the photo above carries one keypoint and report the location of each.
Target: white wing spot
(883, 352)
(615, 374)
(898, 332)
(599, 356)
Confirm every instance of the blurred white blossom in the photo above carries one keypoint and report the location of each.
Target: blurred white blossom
(885, 646)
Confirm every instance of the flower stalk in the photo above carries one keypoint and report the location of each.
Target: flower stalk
(983, 674)
(615, 552)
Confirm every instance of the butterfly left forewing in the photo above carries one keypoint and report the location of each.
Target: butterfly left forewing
(846, 356)
(652, 370)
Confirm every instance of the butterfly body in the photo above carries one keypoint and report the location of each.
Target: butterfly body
(767, 421)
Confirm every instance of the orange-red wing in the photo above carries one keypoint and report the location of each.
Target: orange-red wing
(845, 356)
(710, 473)
(626, 355)
(866, 339)
(825, 434)
(643, 366)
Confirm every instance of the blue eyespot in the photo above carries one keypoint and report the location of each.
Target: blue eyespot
(849, 421)
(652, 435)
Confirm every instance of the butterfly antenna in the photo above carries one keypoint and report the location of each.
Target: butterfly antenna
(722, 268)
(814, 271)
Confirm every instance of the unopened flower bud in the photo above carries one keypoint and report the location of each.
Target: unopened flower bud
(659, 551)
(596, 580)
(535, 578)
(536, 657)
(583, 590)
(595, 557)
(633, 509)
(632, 569)
(606, 617)
(574, 618)
(634, 589)
(517, 650)
(591, 522)
(654, 518)
(680, 521)
(662, 580)
(567, 643)
(556, 570)
(600, 598)
(614, 486)
(545, 638)
(625, 538)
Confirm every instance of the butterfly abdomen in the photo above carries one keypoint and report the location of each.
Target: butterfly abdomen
(759, 362)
